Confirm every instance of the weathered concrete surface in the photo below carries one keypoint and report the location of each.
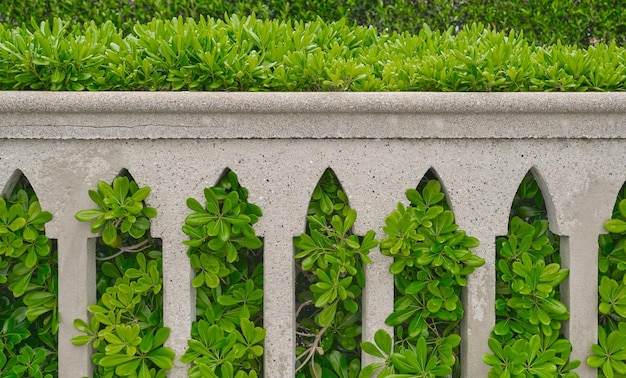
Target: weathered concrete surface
(180, 115)
(379, 145)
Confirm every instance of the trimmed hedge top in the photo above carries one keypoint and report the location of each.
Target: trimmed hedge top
(246, 54)
(543, 22)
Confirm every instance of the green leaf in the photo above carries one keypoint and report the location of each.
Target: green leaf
(17, 224)
(25, 77)
(116, 360)
(97, 199)
(31, 258)
(370, 369)
(127, 368)
(327, 315)
(616, 226)
(121, 186)
(81, 340)
(162, 334)
(81, 325)
(326, 204)
(227, 300)
(149, 212)
(348, 222)
(195, 205)
(141, 194)
(200, 219)
(162, 357)
(146, 343)
(109, 234)
(41, 218)
(371, 349)
(351, 306)
(383, 341)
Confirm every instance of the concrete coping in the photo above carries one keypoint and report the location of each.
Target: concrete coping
(278, 115)
(313, 102)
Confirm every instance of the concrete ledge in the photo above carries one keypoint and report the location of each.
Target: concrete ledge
(206, 115)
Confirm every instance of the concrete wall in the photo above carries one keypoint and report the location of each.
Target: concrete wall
(379, 144)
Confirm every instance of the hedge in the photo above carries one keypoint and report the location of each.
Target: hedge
(543, 22)
(247, 54)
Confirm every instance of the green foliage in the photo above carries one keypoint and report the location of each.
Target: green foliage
(412, 360)
(227, 339)
(526, 339)
(120, 207)
(247, 54)
(571, 21)
(539, 356)
(330, 278)
(431, 262)
(609, 355)
(29, 318)
(126, 327)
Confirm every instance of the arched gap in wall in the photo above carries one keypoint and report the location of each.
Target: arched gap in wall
(430, 175)
(529, 276)
(29, 317)
(432, 259)
(129, 279)
(329, 262)
(611, 289)
(227, 258)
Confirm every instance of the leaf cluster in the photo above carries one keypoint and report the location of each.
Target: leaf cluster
(572, 22)
(121, 212)
(248, 54)
(29, 318)
(540, 356)
(526, 340)
(330, 279)
(609, 355)
(432, 259)
(413, 360)
(227, 339)
(126, 326)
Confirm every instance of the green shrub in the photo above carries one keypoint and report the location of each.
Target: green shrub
(609, 355)
(226, 255)
(29, 318)
(246, 54)
(527, 338)
(126, 327)
(574, 22)
(543, 22)
(431, 260)
(329, 282)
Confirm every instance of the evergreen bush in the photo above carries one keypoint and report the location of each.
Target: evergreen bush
(575, 22)
(248, 54)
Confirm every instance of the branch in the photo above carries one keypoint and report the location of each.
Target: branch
(302, 306)
(141, 246)
(310, 352)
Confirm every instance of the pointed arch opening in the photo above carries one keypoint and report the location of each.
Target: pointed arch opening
(611, 288)
(432, 175)
(330, 277)
(529, 276)
(431, 259)
(227, 258)
(29, 316)
(126, 240)
(128, 275)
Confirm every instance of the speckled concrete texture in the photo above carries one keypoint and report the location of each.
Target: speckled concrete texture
(146, 115)
(279, 144)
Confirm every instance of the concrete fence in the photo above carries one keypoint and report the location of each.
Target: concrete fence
(378, 144)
